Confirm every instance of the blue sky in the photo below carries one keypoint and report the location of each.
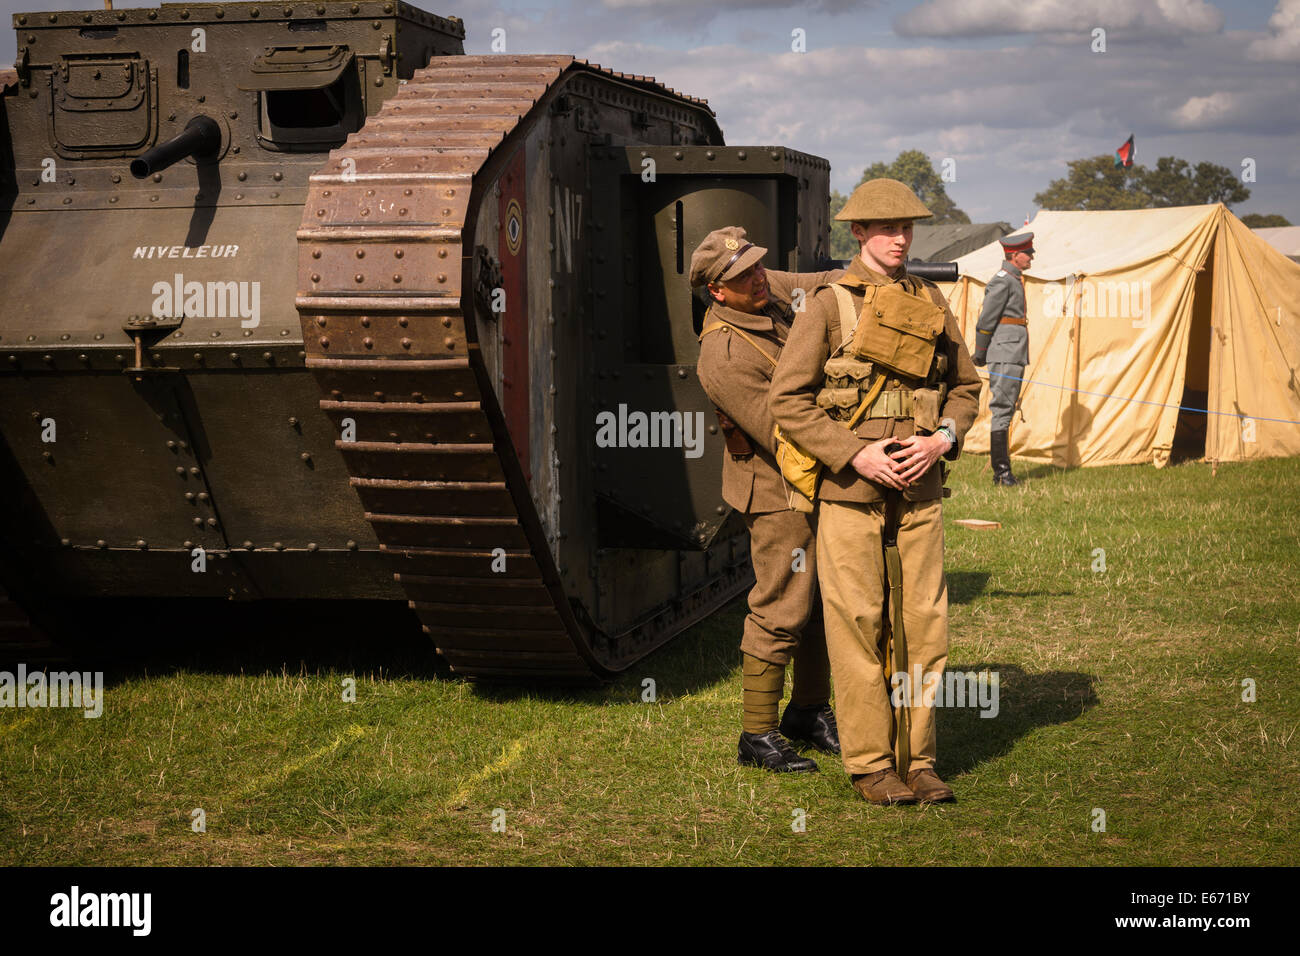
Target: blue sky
(1009, 89)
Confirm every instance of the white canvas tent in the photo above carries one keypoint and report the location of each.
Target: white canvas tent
(1133, 314)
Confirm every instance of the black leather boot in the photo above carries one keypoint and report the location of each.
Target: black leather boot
(771, 751)
(1000, 459)
(812, 725)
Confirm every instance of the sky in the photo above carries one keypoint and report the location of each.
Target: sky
(1010, 90)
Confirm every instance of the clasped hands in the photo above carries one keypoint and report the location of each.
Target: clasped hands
(911, 459)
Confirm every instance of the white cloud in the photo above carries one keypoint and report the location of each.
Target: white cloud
(1283, 40)
(1205, 111)
(1144, 18)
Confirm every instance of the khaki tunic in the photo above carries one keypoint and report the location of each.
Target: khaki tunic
(736, 376)
(850, 519)
(800, 376)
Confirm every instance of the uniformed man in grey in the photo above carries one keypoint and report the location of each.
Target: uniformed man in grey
(1002, 340)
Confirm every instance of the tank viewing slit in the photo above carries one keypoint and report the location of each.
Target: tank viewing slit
(304, 302)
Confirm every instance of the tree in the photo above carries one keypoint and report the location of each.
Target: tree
(843, 245)
(1098, 183)
(914, 168)
(1257, 220)
(1174, 182)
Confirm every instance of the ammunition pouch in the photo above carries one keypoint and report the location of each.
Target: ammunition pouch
(847, 380)
(926, 403)
(897, 330)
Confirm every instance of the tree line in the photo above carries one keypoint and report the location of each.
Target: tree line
(1096, 182)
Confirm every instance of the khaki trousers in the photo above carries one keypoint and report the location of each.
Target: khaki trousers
(782, 600)
(851, 570)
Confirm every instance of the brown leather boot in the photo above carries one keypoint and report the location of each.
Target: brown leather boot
(929, 788)
(883, 788)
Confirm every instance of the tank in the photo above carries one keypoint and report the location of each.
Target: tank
(303, 303)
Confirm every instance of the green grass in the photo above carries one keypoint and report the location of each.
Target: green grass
(1120, 690)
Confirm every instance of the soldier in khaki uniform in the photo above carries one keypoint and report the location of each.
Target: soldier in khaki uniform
(744, 329)
(881, 483)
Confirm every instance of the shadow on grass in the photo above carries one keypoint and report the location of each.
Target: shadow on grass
(130, 638)
(1025, 701)
(965, 586)
(695, 660)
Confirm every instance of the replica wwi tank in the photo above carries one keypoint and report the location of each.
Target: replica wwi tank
(302, 302)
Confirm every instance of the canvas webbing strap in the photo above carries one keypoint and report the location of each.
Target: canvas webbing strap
(723, 325)
(848, 315)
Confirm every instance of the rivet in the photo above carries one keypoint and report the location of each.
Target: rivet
(203, 496)
(321, 321)
(141, 543)
(446, 321)
(234, 356)
(248, 545)
(157, 177)
(397, 277)
(279, 546)
(305, 456)
(242, 176)
(198, 522)
(442, 253)
(403, 321)
(368, 342)
(450, 343)
(315, 277)
(212, 522)
(312, 546)
(442, 277)
(194, 471)
(267, 356)
(277, 175)
(361, 253)
(359, 277)
(180, 471)
(101, 543)
(352, 546)
(406, 343)
(324, 342)
(365, 321)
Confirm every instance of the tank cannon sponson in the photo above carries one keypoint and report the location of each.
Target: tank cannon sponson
(201, 139)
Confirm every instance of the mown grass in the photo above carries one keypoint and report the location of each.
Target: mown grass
(1119, 691)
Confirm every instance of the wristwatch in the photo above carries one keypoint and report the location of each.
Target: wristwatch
(948, 429)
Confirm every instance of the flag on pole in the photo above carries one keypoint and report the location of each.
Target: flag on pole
(1124, 155)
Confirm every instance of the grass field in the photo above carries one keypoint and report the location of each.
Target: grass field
(1120, 690)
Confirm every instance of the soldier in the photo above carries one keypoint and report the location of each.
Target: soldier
(875, 382)
(1002, 339)
(744, 329)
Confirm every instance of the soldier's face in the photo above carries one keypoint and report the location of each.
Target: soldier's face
(1022, 260)
(746, 292)
(884, 243)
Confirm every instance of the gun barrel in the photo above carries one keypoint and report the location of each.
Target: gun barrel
(934, 271)
(201, 139)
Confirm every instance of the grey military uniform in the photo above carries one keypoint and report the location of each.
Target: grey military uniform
(1002, 340)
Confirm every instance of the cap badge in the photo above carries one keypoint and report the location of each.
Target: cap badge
(732, 244)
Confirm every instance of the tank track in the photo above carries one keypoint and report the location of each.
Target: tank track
(385, 254)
